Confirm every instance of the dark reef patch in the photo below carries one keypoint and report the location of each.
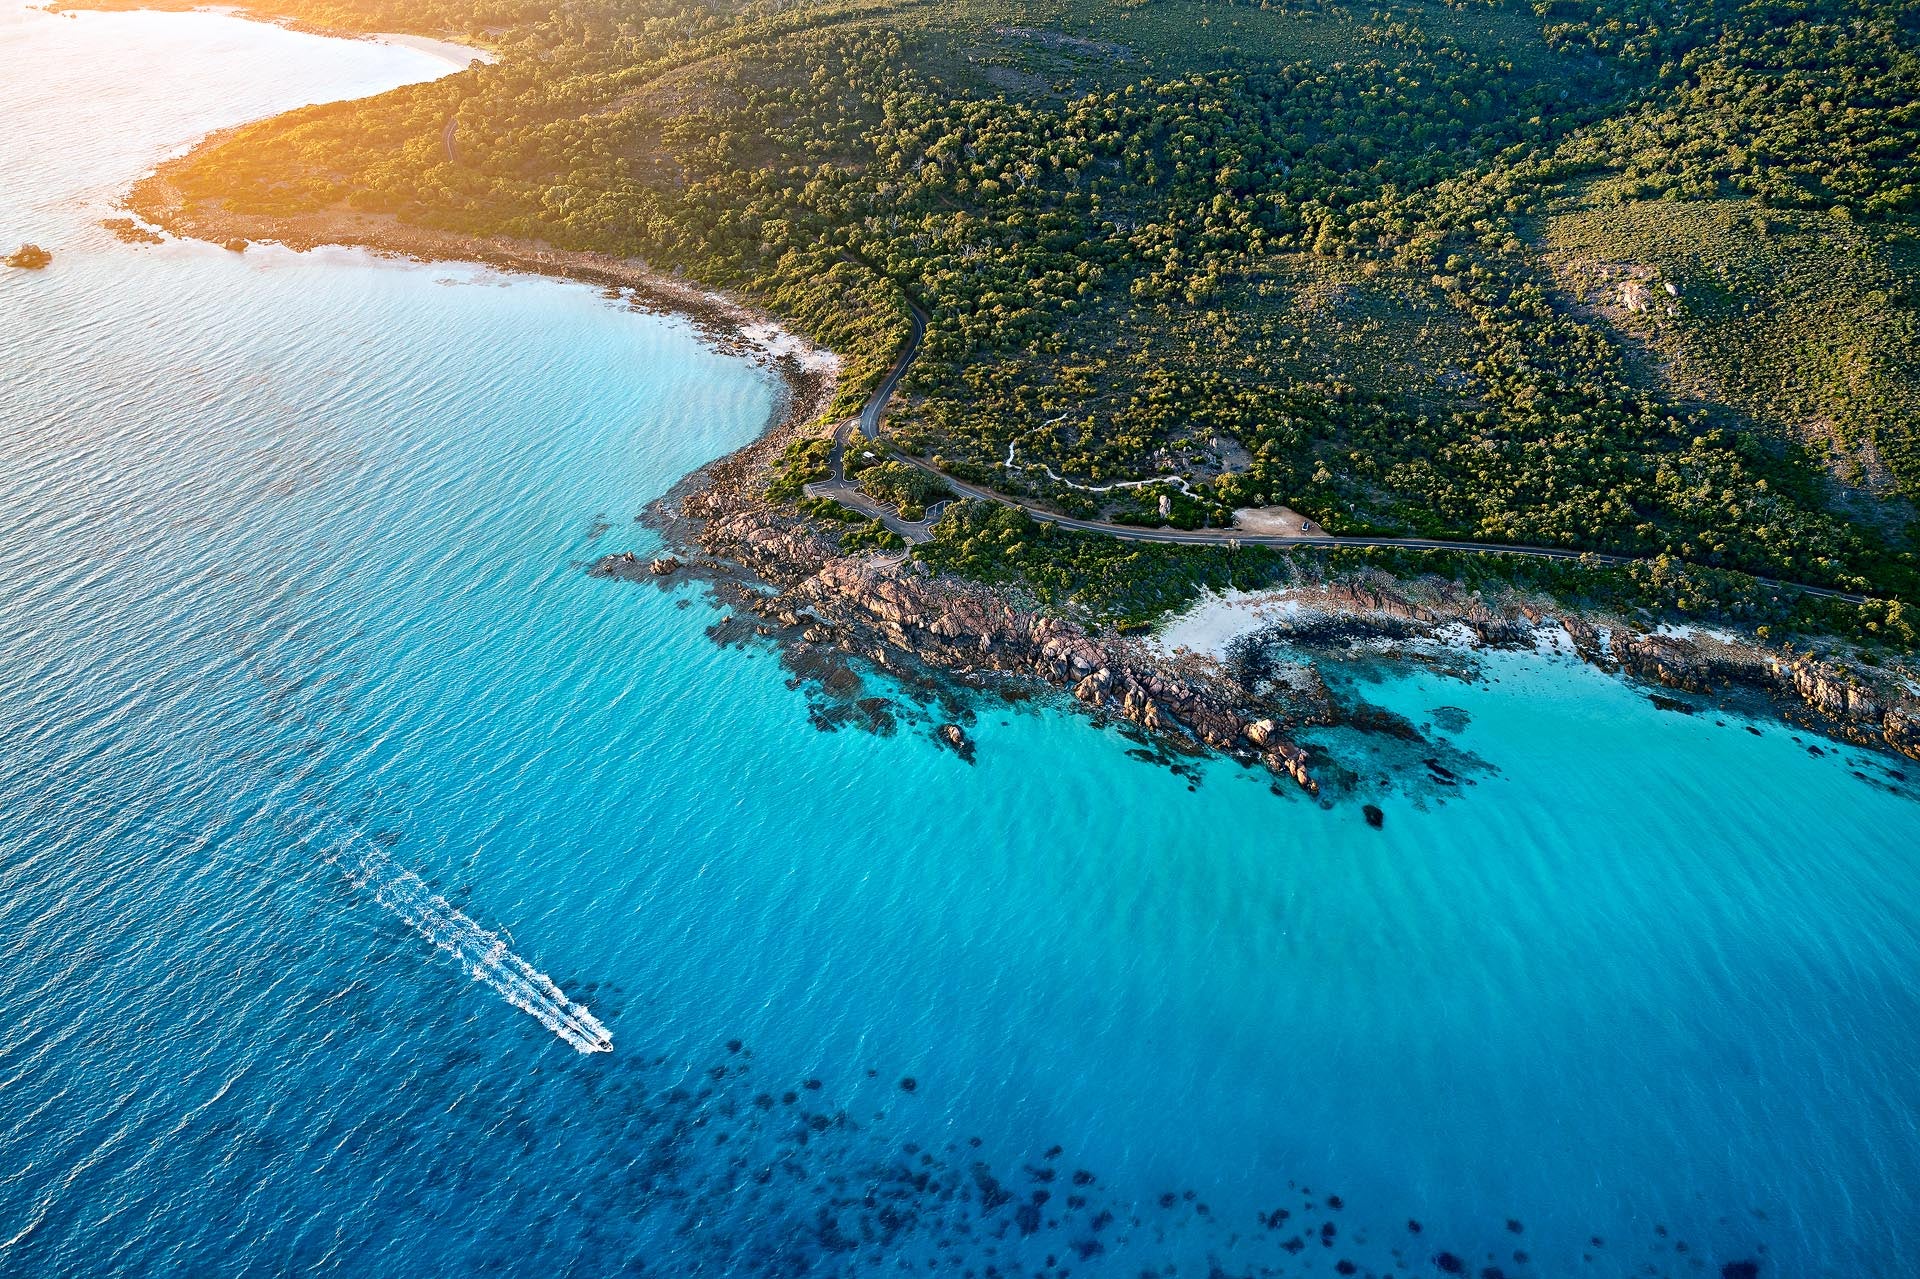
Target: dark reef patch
(805, 1190)
(1157, 752)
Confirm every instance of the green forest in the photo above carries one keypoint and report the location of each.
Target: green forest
(1613, 275)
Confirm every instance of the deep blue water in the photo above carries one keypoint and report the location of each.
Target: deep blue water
(294, 548)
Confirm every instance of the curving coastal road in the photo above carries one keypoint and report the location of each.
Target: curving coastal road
(876, 405)
(845, 491)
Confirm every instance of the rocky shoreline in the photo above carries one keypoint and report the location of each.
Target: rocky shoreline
(768, 561)
(771, 563)
(889, 609)
(1824, 690)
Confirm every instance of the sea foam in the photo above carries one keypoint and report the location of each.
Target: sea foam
(485, 955)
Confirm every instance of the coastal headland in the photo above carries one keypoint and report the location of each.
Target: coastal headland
(476, 721)
(892, 607)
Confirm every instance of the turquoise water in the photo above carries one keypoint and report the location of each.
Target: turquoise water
(295, 547)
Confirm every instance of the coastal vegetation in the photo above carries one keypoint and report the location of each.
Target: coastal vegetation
(804, 461)
(1591, 274)
(1130, 585)
(906, 487)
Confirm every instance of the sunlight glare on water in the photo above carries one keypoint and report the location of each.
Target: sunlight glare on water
(306, 534)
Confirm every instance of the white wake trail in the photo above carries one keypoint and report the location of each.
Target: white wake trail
(484, 955)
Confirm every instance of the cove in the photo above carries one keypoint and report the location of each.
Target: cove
(305, 534)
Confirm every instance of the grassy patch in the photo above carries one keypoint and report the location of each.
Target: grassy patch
(1804, 321)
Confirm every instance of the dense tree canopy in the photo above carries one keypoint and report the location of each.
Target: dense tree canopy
(1300, 253)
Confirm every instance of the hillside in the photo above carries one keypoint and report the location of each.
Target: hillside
(1611, 276)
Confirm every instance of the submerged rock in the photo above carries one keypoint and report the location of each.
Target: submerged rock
(879, 606)
(955, 738)
(127, 231)
(29, 257)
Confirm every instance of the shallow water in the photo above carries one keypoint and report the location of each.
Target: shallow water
(296, 546)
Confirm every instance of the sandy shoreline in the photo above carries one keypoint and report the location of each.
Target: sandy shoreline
(727, 323)
(456, 55)
(809, 373)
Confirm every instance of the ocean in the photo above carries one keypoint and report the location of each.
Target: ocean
(381, 894)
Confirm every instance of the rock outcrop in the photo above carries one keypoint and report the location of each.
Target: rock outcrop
(1820, 692)
(897, 613)
(965, 628)
(1825, 693)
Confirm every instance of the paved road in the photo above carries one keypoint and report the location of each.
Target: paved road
(446, 140)
(847, 493)
(843, 490)
(876, 406)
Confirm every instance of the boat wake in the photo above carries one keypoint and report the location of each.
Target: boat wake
(486, 957)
